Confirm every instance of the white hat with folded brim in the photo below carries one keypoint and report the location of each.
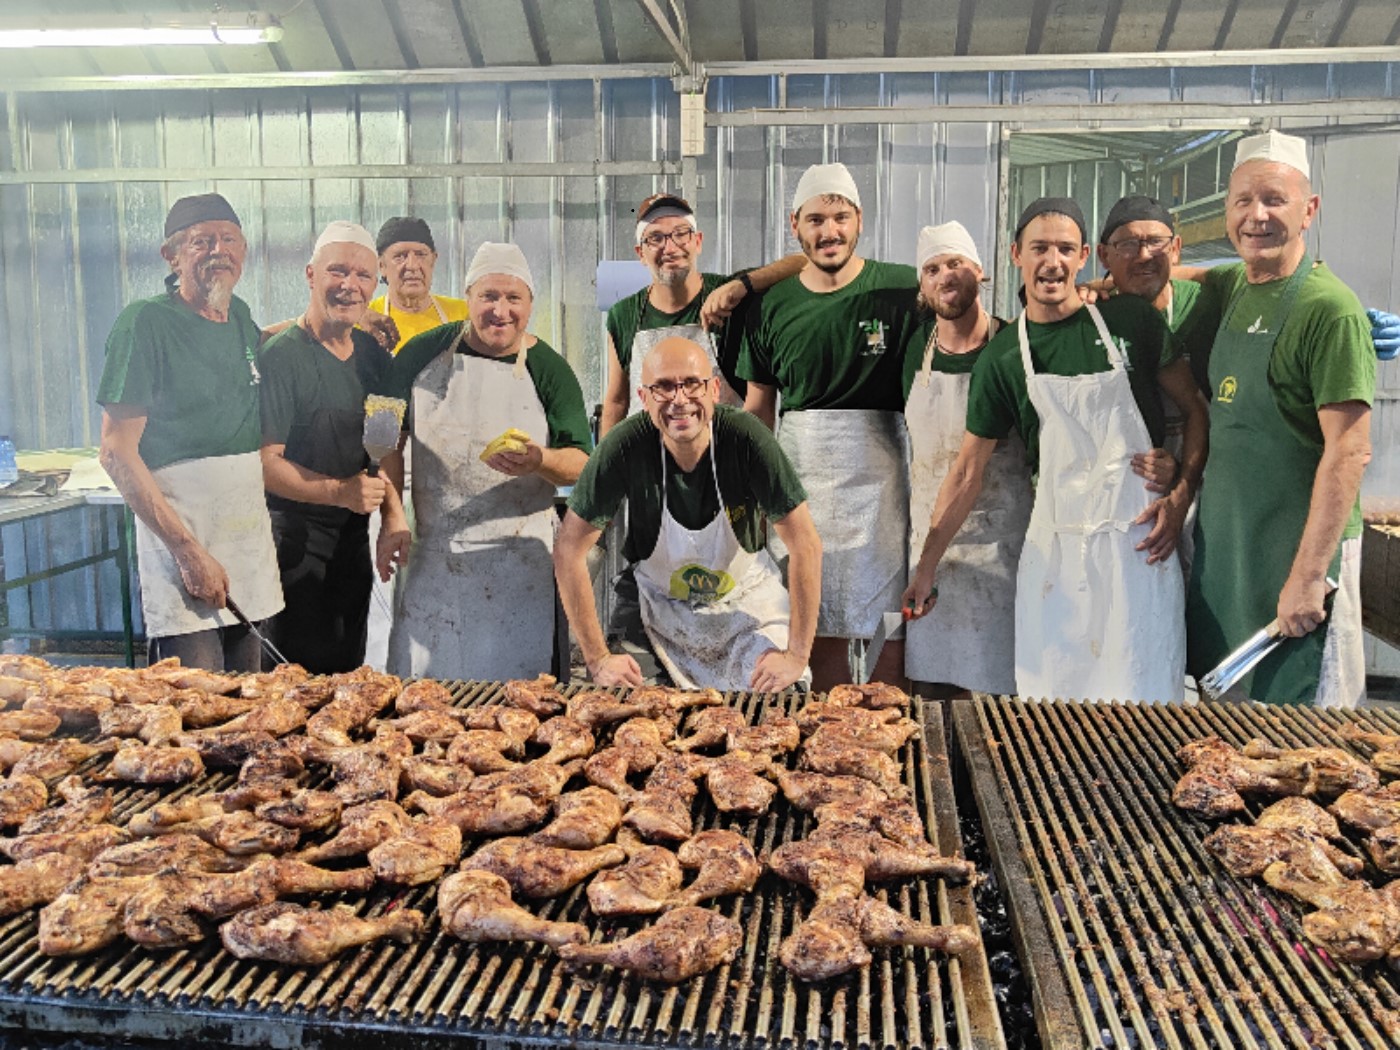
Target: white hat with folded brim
(504, 259)
(344, 232)
(1277, 147)
(951, 238)
(825, 180)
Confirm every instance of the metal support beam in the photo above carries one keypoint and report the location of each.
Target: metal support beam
(1313, 56)
(493, 169)
(1072, 116)
(380, 78)
(662, 24)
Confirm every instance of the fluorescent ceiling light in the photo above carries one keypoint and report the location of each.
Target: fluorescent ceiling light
(143, 31)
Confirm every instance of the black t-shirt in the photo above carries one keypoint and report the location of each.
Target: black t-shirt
(314, 404)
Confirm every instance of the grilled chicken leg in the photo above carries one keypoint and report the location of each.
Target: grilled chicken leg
(289, 933)
(541, 871)
(477, 906)
(681, 944)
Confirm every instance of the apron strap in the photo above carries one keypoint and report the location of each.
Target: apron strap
(1290, 292)
(714, 469)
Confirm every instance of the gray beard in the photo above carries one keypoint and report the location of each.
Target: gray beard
(671, 278)
(218, 294)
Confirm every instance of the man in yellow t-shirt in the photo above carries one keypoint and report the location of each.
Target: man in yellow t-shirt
(406, 261)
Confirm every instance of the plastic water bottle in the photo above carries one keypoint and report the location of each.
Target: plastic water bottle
(8, 470)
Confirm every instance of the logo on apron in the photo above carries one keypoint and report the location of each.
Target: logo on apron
(699, 585)
(874, 332)
(1228, 389)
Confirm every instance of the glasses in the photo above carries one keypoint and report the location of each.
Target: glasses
(657, 241)
(1131, 246)
(666, 389)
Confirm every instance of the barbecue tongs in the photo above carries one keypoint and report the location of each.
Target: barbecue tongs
(267, 645)
(1244, 659)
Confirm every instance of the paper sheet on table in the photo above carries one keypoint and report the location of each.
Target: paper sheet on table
(58, 459)
(86, 475)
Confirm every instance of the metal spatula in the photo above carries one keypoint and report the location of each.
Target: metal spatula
(1244, 659)
(383, 421)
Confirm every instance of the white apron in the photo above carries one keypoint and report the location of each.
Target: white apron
(853, 464)
(221, 501)
(968, 639)
(476, 599)
(1093, 619)
(710, 608)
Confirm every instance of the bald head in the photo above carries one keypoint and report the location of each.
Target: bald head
(675, 358)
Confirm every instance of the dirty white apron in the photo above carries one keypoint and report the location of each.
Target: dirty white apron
(645, 340)
(710, 608)
(476, 599)
(1093, 619)
(968, 640)
(220, 499)
(853, 464)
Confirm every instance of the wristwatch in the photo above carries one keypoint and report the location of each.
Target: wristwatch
(743, 279)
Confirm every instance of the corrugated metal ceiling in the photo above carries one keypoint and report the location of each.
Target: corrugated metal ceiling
(393, 35)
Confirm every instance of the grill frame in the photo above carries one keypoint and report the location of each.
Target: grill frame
(441, 990)
(1207, 959)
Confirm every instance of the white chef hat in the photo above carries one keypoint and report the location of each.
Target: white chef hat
(504, 259)
(1277, 147)
(342, 231)
(951, 238)
(824, 180)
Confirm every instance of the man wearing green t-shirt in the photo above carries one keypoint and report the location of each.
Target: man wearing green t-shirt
(1292, 375)
(476, 598)
(831, 342)
(966, 643)
(669, 243)
(1099, 603)
(698, 481)
(180, 437)
(315, 377)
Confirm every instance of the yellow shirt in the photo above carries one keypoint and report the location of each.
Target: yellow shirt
(448, 309)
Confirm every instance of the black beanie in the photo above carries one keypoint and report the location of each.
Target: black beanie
(403, 228)
(1052, 206)
(1136, 209)
(203, 207)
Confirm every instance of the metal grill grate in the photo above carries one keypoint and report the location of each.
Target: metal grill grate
(406, 995)
(1133, 935)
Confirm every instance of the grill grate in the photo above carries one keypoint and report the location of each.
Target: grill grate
(390, 995)
(1131, 934)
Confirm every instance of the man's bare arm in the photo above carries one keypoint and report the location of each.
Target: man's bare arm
(120, 455)
(1346, 436)
(956, 498)
(725, 299)
(762, 401)
(571, 546)
(799, 534)
(1168, 514)
(616, 397)
(359, 493)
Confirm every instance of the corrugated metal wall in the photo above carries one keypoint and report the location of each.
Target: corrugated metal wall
(85, 179)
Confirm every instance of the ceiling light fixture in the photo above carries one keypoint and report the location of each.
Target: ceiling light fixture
(253, 27)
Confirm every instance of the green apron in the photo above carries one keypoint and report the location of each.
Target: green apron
(1254, 504)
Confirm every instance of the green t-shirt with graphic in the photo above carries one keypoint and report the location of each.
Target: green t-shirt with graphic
(998, 401)
(841, 349)
(628, 316)
(196, 379)
(555, 382)
(1323, 355)
(755, 478)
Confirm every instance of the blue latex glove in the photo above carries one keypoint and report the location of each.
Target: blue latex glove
(1385, 333)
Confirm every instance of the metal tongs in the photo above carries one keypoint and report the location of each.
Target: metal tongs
(263, 640)
(1230, 670)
